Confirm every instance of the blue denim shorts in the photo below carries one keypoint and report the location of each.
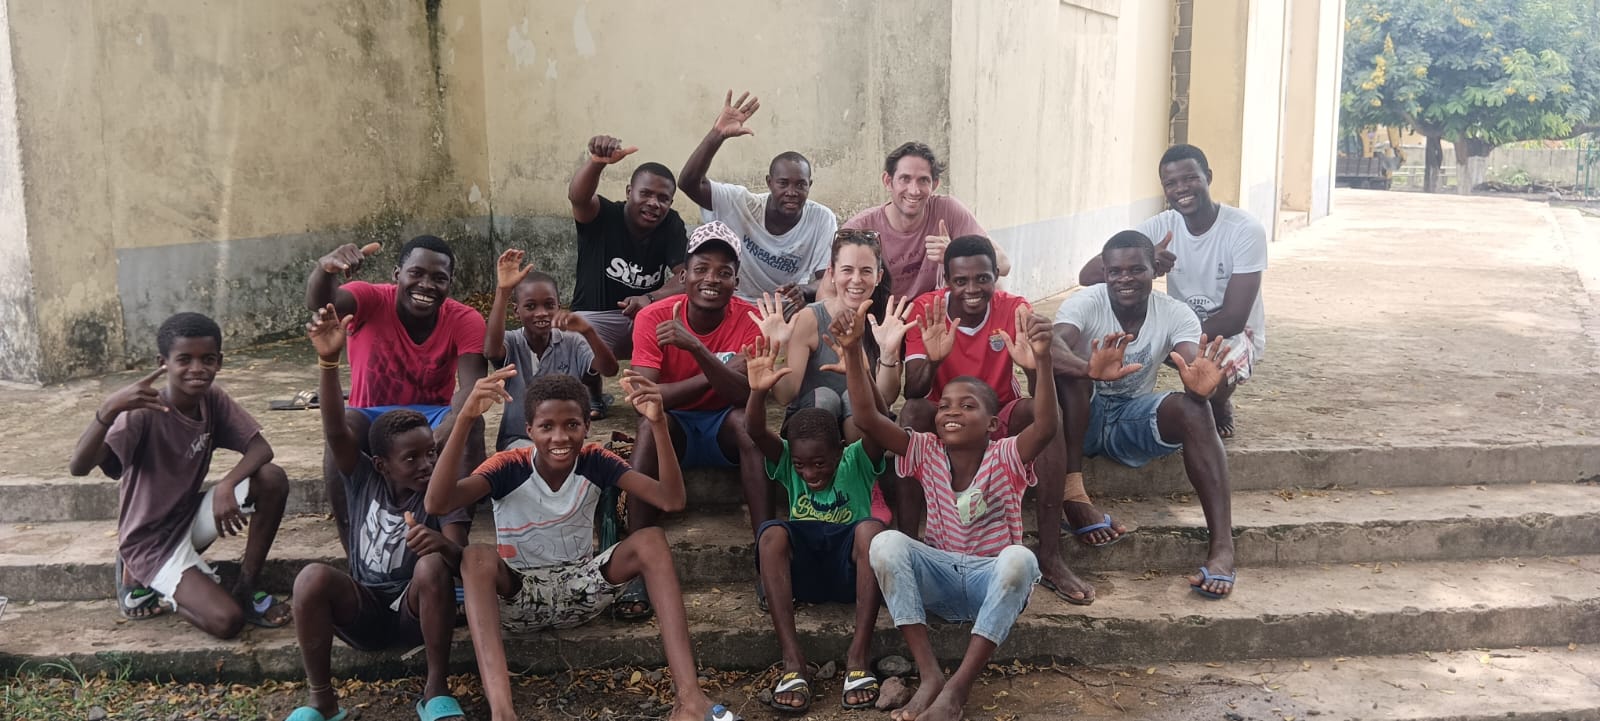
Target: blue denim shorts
(1123, 428)
(700, 447)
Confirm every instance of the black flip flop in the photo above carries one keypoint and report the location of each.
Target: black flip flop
(136, 602)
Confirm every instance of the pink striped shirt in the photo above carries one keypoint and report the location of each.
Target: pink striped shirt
(985, 517)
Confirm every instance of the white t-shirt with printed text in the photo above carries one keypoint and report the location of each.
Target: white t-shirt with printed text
(767, 261)
(1236, 243)
(1167, 322)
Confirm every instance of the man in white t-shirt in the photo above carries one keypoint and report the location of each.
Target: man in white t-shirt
(1110, 340)
(786, 237)
(1213, 256)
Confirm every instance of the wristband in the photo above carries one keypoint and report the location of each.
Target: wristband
(650, 297)
(101, 421)
(887, 364)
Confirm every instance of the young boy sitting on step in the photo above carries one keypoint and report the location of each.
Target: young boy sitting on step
(400, 590)
(543, 571)
(158, 443)
(971, 565)
(819, 554)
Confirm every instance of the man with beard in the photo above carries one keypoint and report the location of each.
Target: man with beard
(786, 237)
(630, 252)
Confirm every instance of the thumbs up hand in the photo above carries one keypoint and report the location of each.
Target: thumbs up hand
(934, 245)
(1165, 258)
(423, 540)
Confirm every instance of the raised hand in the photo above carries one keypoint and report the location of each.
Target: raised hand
(608, 150)
(632, 304)
(730, 122)
(761, 364)
(672, 332)
(891, 332)
(934, 245)
(769, 316)
(938, 337)
(1202, 377)
(644, 394)
(327, 332)
(488, 391)
(347, 259)
(849, 326)
(139, 394)
(570, 321)
(791, 294)
(1105, 362)
(1165, 258)
(509, 270)
(1023, 347)
(423, 540)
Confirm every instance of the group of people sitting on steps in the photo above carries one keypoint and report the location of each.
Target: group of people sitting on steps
(767, 299)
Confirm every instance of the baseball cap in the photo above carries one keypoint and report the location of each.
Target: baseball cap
(715, 231)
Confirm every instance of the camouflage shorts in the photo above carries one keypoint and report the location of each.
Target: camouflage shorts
(559, 596)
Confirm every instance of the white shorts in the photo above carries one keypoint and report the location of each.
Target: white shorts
(202, 533)
(1240, 356)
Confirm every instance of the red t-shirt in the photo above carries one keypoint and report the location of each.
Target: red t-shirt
(675, 364)
(388, 369)
(977, 352)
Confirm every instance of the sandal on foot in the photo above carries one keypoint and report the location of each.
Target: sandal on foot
(1206, 577)
(855, 681)
(761, 598)
(1105, 524)
(261, 605)
(306, 713)
(792, 683)
(1063, 595)
(304, 400)
(439, 707)
(633, 604)
(136, 602)
(599, 407)
(719, 712)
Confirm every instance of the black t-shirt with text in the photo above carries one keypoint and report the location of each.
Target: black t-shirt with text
(612, 265)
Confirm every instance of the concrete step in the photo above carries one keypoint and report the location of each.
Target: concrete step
(73, 560)
(1297, 611)
(25, 499)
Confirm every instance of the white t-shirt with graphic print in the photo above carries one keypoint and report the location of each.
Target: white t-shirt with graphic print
(1236, 243)
(768, 261)
(1167, 322)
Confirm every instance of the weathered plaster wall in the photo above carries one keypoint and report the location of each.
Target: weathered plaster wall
(200, 156)
(1058, 119)
(19, 336)
(1262, 125)
(1324, 141)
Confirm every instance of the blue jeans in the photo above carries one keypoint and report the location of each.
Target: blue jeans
(990, 592)
(1125, 429)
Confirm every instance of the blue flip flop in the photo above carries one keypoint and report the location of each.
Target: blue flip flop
(1207, 577)
(721, 713)
(1105, 523)
(306, 713)
(439, 707)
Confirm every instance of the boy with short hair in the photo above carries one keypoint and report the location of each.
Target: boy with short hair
(819, 554)
(158, 443)
(400, 590)
(972, 565)
(543, 570)
(551, 340)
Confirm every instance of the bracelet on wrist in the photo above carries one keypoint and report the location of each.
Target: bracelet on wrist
(887, 364)
(651, 296)
(327, 365)
(101, 421)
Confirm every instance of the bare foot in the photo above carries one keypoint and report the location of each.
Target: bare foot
(1055, 576)
(1219, 564)
(1084, 515)
(690, 709)
(943, 708)
(927, 691)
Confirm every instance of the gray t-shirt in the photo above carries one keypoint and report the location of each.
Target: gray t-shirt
(380, 560)
(768, 261)
(163, 459)
(1167, 322)
(568, 354)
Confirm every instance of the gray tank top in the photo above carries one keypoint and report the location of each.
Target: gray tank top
(832, 385)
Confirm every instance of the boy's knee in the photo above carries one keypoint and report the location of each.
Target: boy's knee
(917, 414)
(1017, 568)
(774, 540)
(313, 582)
(270, 481)
(865, 532)
(225, 623)
(649, 542)
(889, 548)
(431, 574)
(734, 422)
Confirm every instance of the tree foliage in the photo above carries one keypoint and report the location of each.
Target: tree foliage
(1482, 72)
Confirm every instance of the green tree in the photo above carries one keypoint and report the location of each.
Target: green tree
(1478, 73)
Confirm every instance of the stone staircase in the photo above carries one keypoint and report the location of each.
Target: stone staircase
(1355, 553)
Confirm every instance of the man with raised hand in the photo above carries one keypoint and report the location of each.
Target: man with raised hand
(630, 252)
(1213, 256)
(1110, 340)
(786, 236)
(916, 224)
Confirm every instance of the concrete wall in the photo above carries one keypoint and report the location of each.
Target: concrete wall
(19, 335)
(1551, 165)
(1055, 160)
(1263, 111)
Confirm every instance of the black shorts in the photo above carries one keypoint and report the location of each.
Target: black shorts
(822, 564)
(377, 626)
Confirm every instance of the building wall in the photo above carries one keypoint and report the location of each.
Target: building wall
(19, 334)
(1325, 137)
(1262, 126)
